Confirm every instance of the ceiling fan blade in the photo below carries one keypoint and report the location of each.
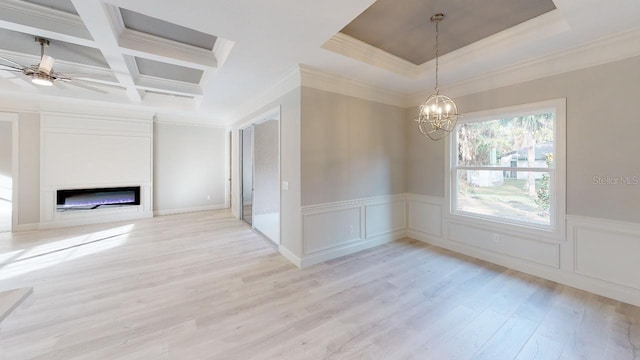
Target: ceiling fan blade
(11, 62)
(12, 69)
(85, 86)
(46, 64)
(21, 81)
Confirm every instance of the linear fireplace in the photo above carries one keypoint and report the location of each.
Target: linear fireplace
(89, 199)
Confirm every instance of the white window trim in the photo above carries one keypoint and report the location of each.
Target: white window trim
(558, 194)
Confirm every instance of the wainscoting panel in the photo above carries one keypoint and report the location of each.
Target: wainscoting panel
(385, 218)
(607, 251)
(531, 250)
(337, 229)
(327, 229)
(425, 215)
(596, 255)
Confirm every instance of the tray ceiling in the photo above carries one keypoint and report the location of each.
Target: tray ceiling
(402, 28)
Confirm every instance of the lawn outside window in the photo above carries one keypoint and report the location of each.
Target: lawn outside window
(507, 166)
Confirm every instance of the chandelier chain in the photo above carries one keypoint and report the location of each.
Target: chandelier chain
(437, 50)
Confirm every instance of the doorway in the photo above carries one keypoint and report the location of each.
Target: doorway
(260, 175)
(8, 173)
(246, 141)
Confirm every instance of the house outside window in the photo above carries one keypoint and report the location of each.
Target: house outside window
(507, 167)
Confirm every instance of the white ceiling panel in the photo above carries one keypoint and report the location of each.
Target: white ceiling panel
(168, 71)
(166, 30)
(60, 5)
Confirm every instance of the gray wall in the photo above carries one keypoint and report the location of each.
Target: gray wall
(29, 169)
(351, 148)
(267, 172)
(189, 165)
(290, 200)
(425, 160)
(602, 136)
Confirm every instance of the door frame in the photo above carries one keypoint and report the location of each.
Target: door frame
(241, 170)
(271, 113)
(13, 119)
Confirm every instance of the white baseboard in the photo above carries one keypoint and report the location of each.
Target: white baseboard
(290, 256)
(96, 220)
(188, 210)
(27, 227)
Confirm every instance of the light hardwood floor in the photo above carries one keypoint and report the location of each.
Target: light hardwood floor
(203, 286)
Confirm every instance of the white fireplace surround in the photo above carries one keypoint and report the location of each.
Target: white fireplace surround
(87, 151)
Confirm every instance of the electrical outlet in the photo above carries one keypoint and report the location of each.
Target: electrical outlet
(350, 229)
(285, 185)
(496, 238)
(208, 197)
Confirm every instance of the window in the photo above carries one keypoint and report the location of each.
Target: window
(507, 166)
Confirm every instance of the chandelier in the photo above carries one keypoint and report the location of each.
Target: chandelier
(439, 114)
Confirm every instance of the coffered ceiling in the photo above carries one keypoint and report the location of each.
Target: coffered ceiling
(212, 61)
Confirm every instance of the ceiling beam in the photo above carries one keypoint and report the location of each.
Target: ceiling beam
(98, 21)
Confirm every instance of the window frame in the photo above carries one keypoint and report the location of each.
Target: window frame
(556, 228)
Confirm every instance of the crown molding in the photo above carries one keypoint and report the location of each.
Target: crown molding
(351, 47)
(607, 49)
(181, 120)
(320, 80)
(289, 82)
(536, 29)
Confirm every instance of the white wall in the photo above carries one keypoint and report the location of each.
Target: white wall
(189, 168)
(6, 141)
(289, 106)
(80, 150)
(267, 169)
(29, 171)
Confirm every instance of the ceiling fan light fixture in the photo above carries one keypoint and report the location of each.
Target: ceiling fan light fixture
(41, 79)
(46, 64)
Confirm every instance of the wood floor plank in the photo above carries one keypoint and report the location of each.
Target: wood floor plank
(204, 286)
(11, 299)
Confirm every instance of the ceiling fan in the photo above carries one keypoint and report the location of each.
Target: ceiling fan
(42, 74)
